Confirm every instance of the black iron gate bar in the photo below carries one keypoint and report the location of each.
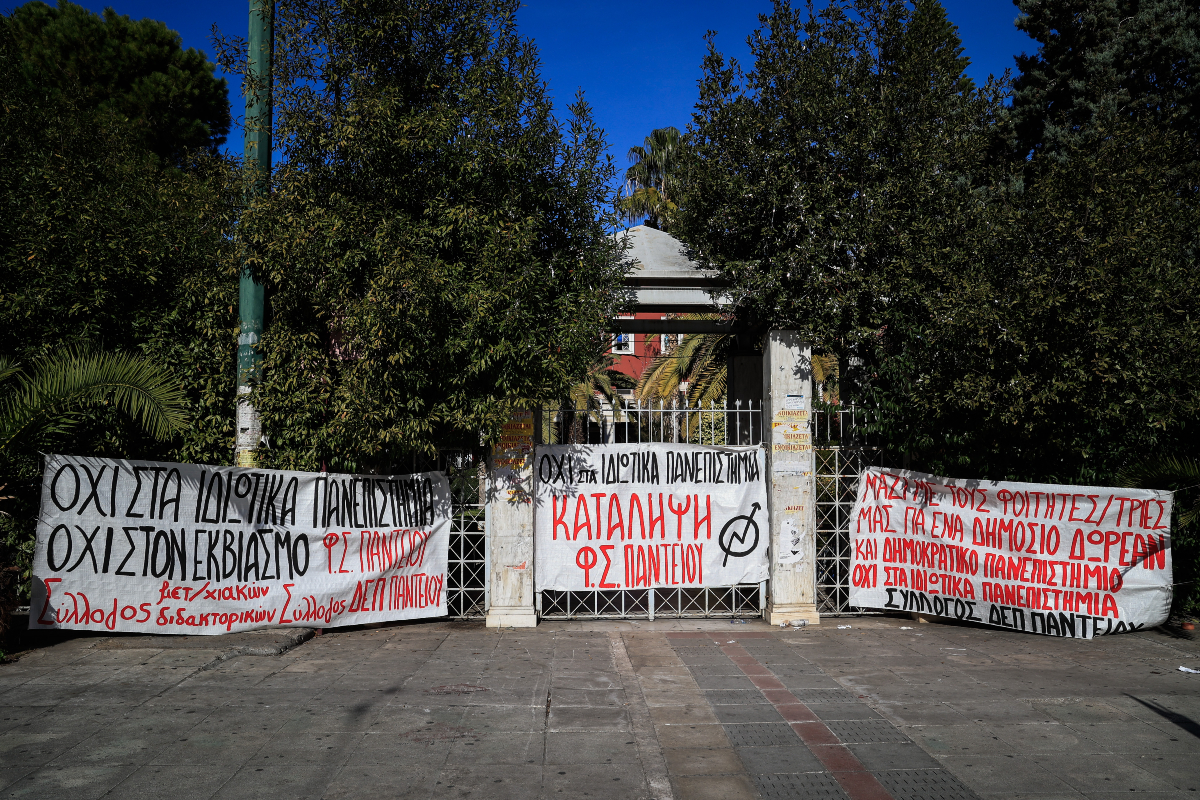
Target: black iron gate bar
(747, 599)
(467, 563)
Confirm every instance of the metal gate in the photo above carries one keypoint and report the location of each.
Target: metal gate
(740, 423)
(840, 454)
(466, 578)
(466, 568)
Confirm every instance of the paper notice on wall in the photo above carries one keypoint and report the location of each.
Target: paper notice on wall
(1073, 561)
(791, 542)
(516, 441)
(627, 516)
(181, 548)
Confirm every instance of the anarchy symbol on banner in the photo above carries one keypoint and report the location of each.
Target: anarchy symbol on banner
(726, 545)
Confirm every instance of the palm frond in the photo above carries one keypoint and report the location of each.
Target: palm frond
(50, 400)
(1167, 472)
(8, 368)
(649, 179)
(701, 359)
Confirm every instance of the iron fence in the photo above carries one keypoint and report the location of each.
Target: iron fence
(841, 450)
(466, 568)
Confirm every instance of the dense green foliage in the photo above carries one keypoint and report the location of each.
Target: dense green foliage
(1011, 289)
(106, 246)
(1029, 320)
(434, 249)
(137, 70)
(827, 182)
(1134, 59)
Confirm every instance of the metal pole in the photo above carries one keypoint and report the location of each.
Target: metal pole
(258, 184)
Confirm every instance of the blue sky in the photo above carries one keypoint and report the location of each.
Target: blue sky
(637, 63)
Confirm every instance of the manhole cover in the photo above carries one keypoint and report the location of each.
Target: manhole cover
(456, 688)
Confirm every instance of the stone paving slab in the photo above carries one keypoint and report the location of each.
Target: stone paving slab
(675, 709)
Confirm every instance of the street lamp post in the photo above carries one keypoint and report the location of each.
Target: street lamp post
(257, 81)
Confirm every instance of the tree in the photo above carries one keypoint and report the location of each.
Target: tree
(826, 183)
(1064, 338)
(1138, 58)
(650, 180)
(435, 249)
(137, 70)
(698, 365)
(104, 246)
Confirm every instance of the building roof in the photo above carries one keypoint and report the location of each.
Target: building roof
(668, 282)
(659, 255)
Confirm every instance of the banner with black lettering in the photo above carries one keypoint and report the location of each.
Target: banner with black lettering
(1075, 561)
(632, 516)
(182, 548)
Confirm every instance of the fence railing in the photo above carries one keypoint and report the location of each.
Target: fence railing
(841, 451)
(668, 421)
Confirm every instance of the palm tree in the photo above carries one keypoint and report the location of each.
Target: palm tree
(699, 360)
(585, 400)
(649, 182)
(51, 400)
(1168, 472)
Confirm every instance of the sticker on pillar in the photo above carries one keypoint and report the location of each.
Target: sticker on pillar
(789, 427)
(640, 516)
(516, 441)
(791, 540)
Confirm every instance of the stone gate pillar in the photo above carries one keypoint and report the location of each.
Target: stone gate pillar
(510, 525)
(787, 406)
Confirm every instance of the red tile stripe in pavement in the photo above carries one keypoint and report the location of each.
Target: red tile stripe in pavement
(849, 772)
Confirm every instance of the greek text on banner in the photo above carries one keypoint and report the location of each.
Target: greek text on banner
(181, 548)
(1073, 561)
(634, 516)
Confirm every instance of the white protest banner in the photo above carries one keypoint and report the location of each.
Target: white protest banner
(1073, 561)
(182, 548)
(630, 516)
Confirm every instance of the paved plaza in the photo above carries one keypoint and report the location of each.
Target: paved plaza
(879, 708)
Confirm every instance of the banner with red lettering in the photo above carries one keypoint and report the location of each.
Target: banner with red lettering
(181, 548)
(635, 516)
(1076, 561)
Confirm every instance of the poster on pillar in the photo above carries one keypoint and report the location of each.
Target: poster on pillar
(1074, 561)
(640, 516)
(142, 546)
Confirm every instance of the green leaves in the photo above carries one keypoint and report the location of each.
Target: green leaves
(136, 70)
(436, 245)
(651, 178)
(48, 402)
(1028, 321)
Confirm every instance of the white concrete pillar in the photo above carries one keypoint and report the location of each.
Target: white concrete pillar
(510, 525)
(787, 406)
